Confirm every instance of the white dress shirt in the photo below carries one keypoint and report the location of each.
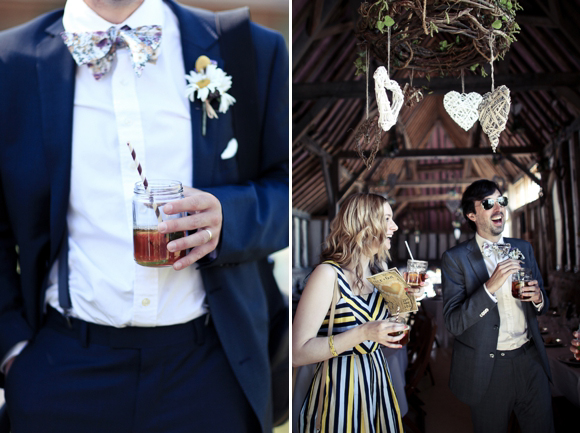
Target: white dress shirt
(106, 285)
(152, 112)
(512, 326)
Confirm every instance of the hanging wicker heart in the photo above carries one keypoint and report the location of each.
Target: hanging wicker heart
(493, 113)
(369, 134)
(462, 107)
(388, 112)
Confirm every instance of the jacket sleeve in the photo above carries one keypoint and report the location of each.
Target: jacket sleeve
(256, 213)
(461, 309)
(13, 326)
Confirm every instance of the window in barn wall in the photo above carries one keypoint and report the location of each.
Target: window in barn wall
(524, 190)
(295, 238)
(558, 226)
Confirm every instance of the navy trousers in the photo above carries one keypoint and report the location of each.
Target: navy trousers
(92, 378)
(519, 384)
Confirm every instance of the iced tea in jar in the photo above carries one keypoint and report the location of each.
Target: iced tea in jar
(150, 246)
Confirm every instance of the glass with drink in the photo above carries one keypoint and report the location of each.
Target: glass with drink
(150, 246)
(519, 280)
(400, 320)
(416, 273)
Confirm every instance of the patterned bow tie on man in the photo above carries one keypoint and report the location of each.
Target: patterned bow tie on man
(97, 49)
(501, 250)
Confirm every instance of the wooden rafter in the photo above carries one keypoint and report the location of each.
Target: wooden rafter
(516, 83)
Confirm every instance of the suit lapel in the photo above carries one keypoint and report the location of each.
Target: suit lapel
(56, 78)
(476, 260)
(198, 37)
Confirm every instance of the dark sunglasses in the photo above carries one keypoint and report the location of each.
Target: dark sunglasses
(488, 203)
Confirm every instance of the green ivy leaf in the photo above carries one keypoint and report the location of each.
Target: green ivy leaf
(380, 26)
(457, 40)
(474, 67)
(496, 24)
(447, 17)
(442, 45)
(388, 21)
(509, 5)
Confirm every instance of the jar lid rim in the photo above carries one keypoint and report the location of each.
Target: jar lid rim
(159, 186)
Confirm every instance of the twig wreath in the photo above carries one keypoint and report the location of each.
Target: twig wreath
(438, 37)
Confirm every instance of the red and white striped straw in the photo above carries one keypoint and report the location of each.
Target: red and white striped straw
(144, 180)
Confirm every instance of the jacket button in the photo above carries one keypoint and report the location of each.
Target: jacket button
(491, 355)
(496, 327)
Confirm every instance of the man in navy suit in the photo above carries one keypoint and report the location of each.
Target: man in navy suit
(499, 362)
(89, 340)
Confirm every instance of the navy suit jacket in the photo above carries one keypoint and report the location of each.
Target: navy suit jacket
(473, 317)
(37, 78)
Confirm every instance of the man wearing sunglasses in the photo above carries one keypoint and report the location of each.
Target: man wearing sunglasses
(499, 362)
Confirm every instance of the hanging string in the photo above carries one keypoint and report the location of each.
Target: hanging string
(491, 54)
(389, 53)
(462, 83)
(367, 94)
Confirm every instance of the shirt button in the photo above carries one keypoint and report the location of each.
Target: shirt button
(145, 302)
(502, 354)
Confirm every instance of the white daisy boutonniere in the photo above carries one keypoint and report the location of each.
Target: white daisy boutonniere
(209, 83)
(516, 254)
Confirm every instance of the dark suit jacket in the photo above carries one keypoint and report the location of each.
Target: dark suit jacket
(37, 77)
(473, 317)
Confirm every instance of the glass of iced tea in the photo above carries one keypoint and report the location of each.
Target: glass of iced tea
(416, 273)
(150, 246)
(401, 320)
(519, 280)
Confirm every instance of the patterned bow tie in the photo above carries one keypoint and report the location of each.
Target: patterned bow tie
(97, 49)
(501, 250)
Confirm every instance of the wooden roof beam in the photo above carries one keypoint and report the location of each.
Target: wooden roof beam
(430, 183)
(475, 83)
(446, 153)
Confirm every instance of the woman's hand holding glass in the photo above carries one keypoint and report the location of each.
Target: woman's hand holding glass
(417, 292)
(380, 331)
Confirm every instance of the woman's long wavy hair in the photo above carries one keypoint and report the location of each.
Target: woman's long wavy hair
(360, 223)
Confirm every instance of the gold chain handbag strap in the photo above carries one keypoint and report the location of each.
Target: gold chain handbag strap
(335, 296)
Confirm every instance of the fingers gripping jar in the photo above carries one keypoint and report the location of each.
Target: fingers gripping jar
(150, 246)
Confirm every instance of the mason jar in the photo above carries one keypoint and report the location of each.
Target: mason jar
(150, 246)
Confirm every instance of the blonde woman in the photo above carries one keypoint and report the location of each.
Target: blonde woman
(359, 395)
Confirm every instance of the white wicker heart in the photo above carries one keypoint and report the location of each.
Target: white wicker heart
(462, 107)
(388, 112)
(493, 113)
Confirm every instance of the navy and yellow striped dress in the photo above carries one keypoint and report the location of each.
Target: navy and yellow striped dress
(359, 396)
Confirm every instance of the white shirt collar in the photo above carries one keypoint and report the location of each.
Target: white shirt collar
(481, 240)
(79, 17)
